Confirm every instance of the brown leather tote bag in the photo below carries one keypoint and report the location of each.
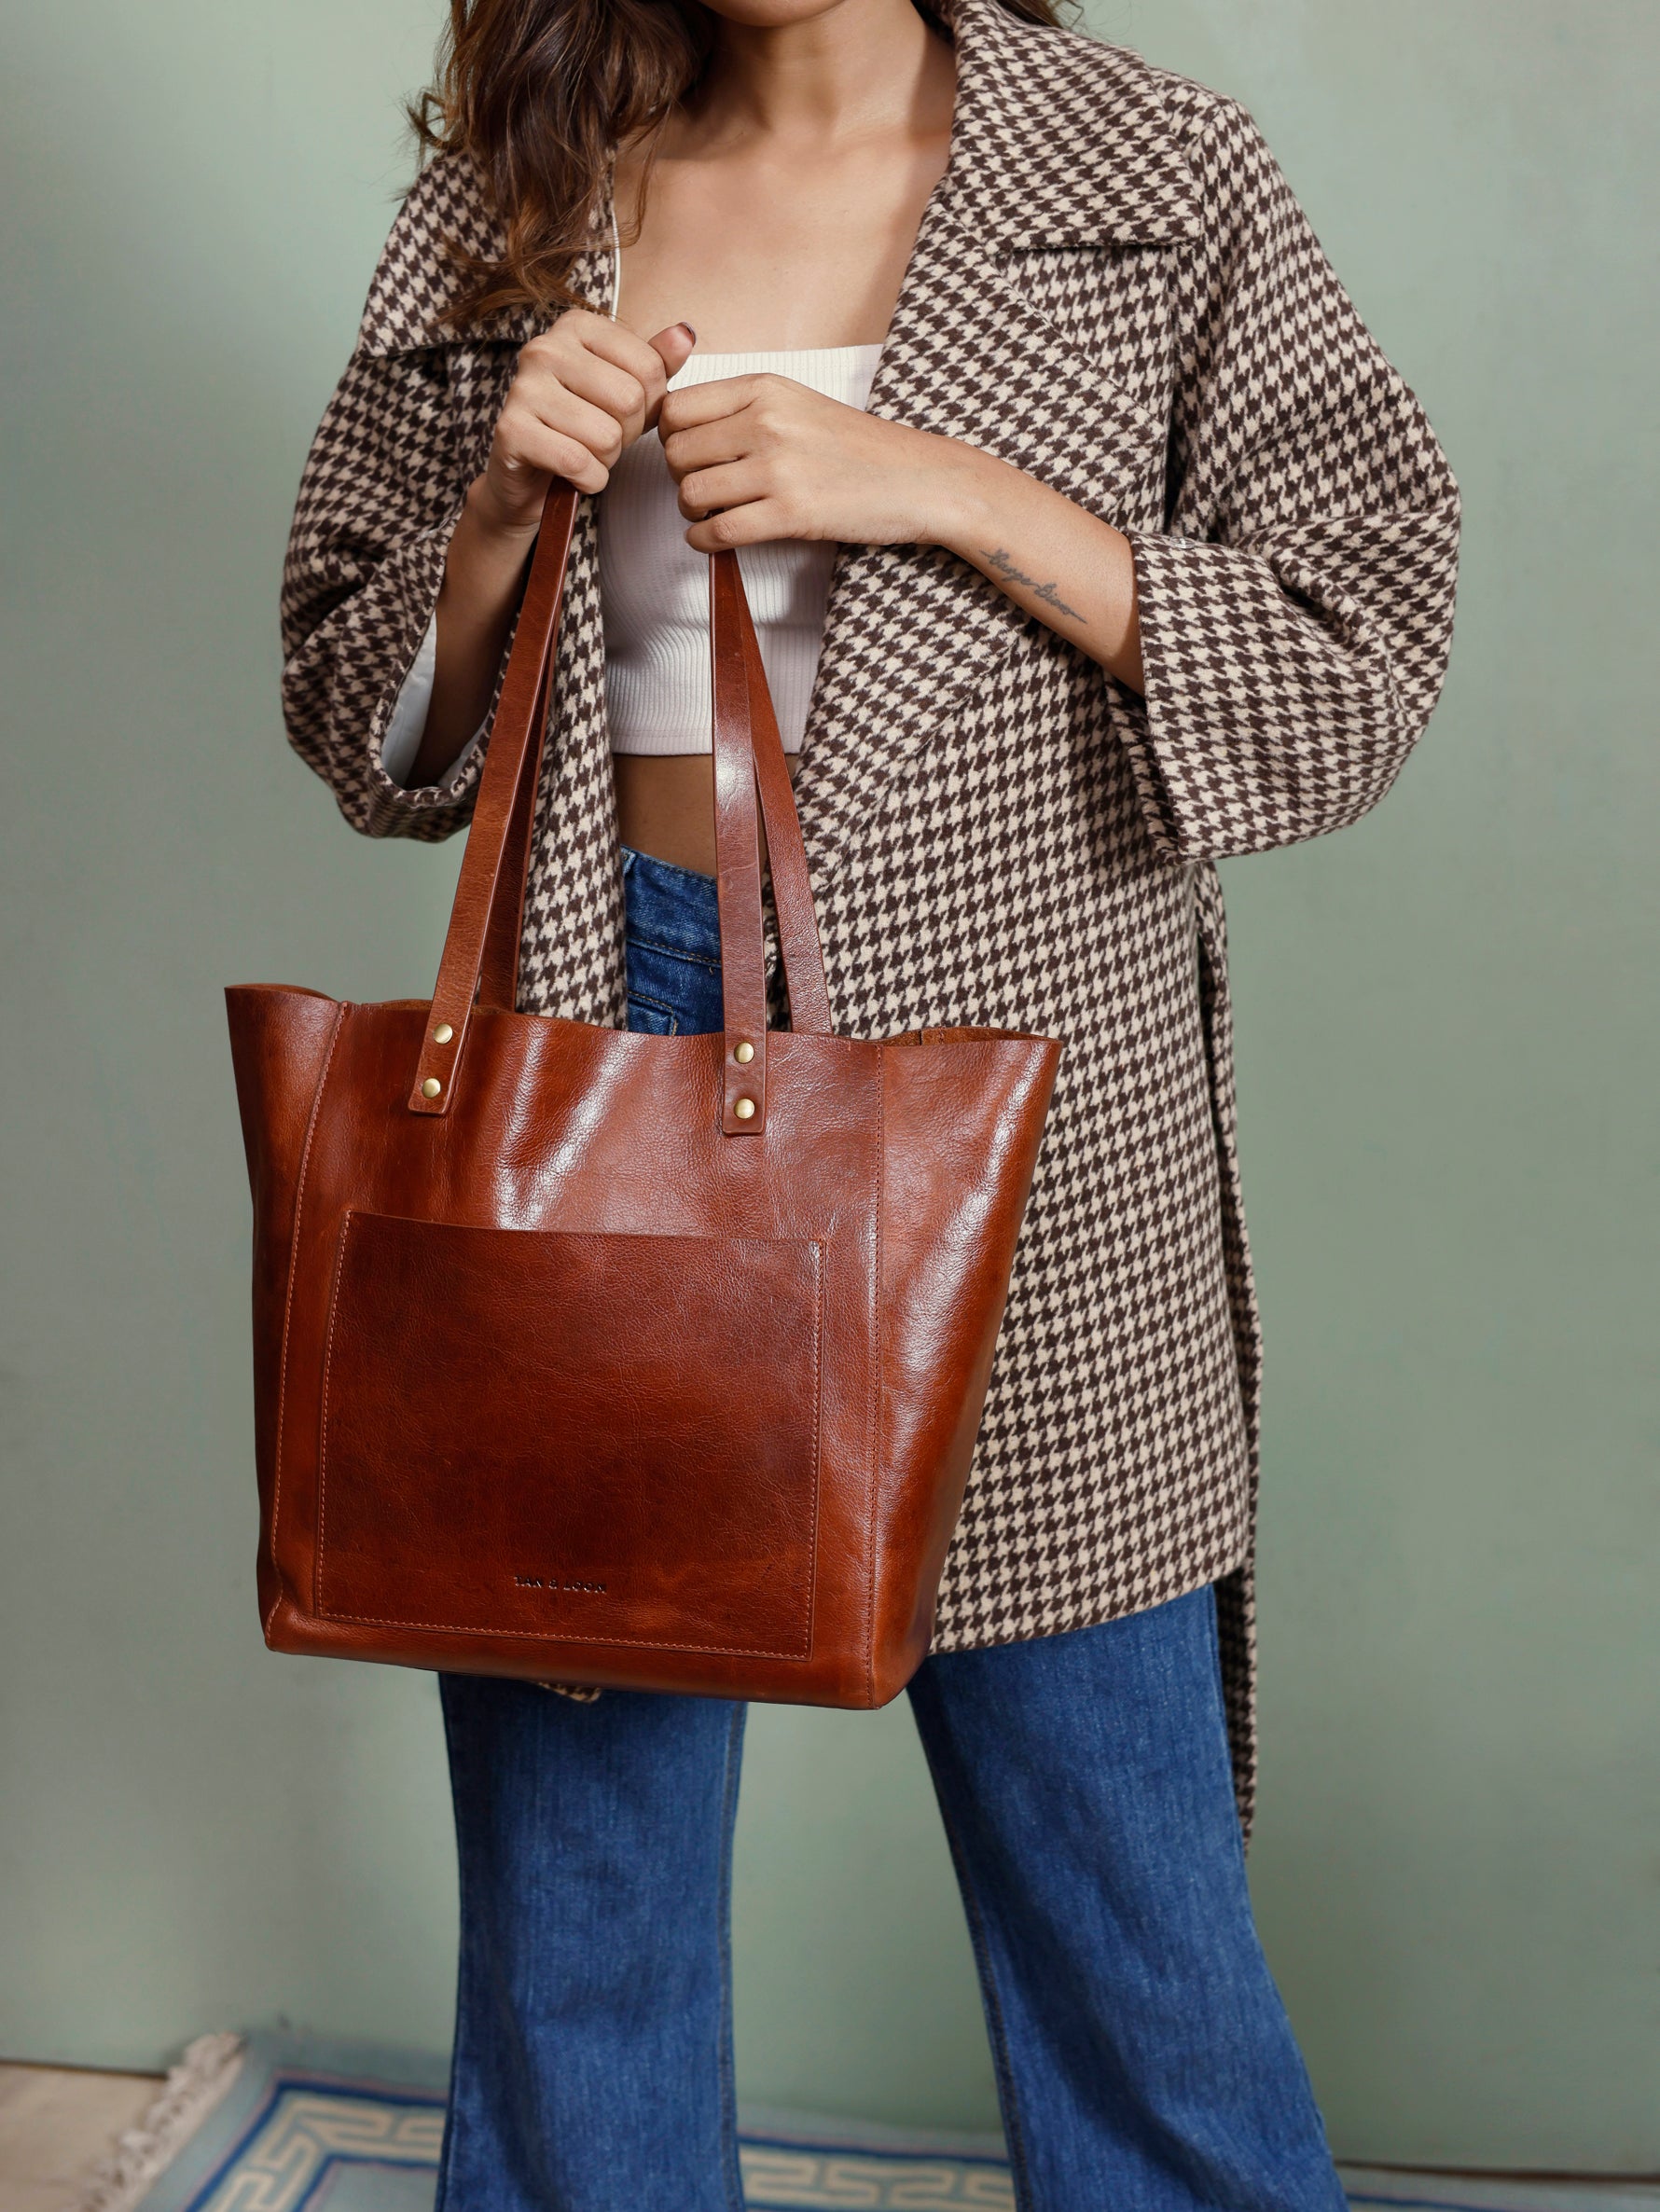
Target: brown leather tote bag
(622, 1359)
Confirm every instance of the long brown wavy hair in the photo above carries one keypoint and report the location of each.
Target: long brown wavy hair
(539, 93)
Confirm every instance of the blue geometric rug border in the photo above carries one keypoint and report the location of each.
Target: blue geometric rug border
(276, 2071)
(309, 2125)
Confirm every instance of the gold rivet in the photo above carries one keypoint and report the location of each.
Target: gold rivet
(443, 1033)
(431, 1087)
(743, 1053)
(745, 1109)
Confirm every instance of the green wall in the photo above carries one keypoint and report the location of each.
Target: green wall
(1448, 1078)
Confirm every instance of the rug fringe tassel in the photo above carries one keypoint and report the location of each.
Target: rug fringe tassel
(206, 2071)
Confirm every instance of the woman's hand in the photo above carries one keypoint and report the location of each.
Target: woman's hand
(582, 393)
(762, 457)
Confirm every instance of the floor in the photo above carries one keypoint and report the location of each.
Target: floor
(56, 2122)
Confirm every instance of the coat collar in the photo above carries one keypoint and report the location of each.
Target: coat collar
(1059, 140)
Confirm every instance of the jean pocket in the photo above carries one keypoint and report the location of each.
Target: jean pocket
(652, 1018)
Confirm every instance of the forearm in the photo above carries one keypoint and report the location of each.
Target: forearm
(483, 576)
(1072, 571)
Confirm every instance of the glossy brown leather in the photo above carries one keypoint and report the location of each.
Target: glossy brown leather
(574, 1371)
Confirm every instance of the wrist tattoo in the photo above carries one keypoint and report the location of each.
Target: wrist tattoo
(1008, 574)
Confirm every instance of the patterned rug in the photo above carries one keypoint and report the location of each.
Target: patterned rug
(270, 2124)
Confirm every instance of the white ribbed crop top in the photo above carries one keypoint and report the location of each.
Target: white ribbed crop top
(653, 589)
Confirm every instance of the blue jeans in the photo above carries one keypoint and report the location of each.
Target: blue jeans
(673, 947)
(1143, 2058)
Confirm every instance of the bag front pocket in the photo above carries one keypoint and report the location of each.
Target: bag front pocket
(579, 1436)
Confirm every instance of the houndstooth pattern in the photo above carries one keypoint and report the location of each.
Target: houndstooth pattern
(1113, 289)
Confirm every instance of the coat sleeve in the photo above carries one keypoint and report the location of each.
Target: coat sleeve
(1296, 613)
(381, 493)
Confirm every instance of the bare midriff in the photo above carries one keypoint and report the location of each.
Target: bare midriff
(665, 805)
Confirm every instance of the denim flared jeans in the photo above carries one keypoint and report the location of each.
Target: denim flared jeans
(1145, 2061)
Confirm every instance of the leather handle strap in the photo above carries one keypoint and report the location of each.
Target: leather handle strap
(480, 960)
(786, 857)
(511, 768)
(738, 868)
(748, 759)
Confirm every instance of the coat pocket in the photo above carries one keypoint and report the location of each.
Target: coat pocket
(612, 1438)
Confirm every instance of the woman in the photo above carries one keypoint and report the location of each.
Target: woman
(1091, 539)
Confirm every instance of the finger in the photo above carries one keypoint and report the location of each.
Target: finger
(673, 346)
(706, 446)
(735, 485)
(642, 359)
(760, 523)
(707, 402)
(598, 335)
(601, 382)
(534, 446)
(579, 341)
(558, 409)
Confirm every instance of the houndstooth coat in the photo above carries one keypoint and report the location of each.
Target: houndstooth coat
(1114, 289)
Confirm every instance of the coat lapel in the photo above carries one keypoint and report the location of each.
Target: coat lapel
(1039, 158)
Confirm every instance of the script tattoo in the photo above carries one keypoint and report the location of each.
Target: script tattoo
(1011, 574)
